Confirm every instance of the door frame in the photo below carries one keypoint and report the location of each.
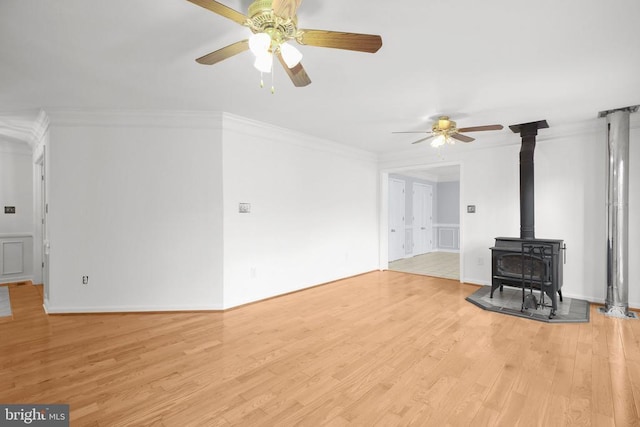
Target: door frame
(41, 241)
(401, 228)
(383, 210)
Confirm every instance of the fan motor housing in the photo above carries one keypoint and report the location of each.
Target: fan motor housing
(263, 20)
(259, 6)
(444, 125)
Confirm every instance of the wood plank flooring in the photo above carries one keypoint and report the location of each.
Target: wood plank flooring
(384, 348)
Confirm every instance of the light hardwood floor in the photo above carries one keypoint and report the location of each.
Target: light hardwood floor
(384, 348)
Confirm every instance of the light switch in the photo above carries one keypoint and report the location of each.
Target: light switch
(244, 208)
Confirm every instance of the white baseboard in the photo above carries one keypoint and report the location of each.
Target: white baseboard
(479, 282)
(49, 309)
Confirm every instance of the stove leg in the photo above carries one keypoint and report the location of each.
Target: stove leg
(560, 294)
(494, 286)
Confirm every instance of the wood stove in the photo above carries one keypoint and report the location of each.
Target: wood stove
(527, 262)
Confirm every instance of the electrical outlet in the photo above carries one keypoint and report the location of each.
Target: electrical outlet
(480, 261)
(85, 280)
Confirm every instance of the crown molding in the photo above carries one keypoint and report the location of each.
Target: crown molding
(39, 129)
(257, 129)
(199, 120)
(135, 118)
(25, 127)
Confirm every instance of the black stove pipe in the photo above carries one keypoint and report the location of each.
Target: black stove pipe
(527, 193)
(528, 133)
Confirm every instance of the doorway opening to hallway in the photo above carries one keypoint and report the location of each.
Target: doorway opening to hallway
(424, 221)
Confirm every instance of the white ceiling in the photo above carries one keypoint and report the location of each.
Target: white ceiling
(482, 62)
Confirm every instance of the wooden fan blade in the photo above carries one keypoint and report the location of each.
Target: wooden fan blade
(479, 128)
(285, 8)
(297, 74)
(463, 138)
(224, 53)
(337, 40)
(423, 139)
(222, 10)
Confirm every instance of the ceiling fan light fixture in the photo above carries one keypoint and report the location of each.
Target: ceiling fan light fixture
(290, 55)
(440, 140)
(264, 62)
(259, 43)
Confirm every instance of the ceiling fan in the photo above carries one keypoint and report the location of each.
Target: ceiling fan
(445, 131)
(274, 23)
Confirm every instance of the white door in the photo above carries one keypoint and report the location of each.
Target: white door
(422, 218)
(396, 219)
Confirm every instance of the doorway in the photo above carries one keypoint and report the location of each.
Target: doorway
(433, 229)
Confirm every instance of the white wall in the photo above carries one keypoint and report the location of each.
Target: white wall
(134, 203)
(570, 203)
(139, 203)
(448, 216)
(313, 213)
(16, 187)
(448, 204)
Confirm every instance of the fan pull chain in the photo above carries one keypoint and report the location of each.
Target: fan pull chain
(273, 87)
(261, 80)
